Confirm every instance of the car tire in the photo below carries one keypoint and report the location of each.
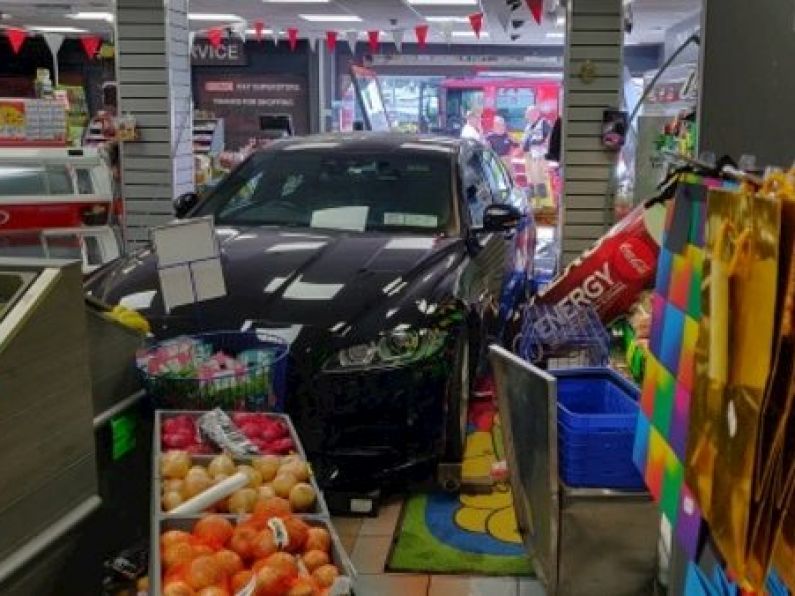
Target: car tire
(459, 393)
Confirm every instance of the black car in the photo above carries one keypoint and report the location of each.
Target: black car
(387, 260)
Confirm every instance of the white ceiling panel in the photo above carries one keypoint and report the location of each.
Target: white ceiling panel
(652, 17)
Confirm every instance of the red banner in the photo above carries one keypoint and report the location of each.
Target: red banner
(536, 9)
(259, 27)
(292, 38)
(331, 41)
(16, 37)
(421, 31)
(476, 20)
(91, 44)
(214, 37)
(372, 40)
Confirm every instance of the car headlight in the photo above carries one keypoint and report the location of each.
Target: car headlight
(393, 348)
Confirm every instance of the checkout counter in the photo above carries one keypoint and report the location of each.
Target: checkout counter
(65, 382)
(584, 541)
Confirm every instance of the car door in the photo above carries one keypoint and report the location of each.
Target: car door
(519, 246)
(481, 280)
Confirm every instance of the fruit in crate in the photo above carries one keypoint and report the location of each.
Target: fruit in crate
(267, 433)
(266, 553)
(272, 482)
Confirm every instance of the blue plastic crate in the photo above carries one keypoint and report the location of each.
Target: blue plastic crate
(597, 414)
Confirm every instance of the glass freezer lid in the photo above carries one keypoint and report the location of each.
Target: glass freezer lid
(13, 284)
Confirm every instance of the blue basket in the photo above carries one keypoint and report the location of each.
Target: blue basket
(549, 332)
(256, 382)
(597, 414)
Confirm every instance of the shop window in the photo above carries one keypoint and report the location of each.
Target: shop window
(512, 103)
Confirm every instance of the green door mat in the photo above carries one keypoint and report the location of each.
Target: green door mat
(467, 534)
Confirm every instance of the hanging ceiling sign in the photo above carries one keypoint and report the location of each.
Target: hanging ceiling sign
(230, 52)
(465, 60)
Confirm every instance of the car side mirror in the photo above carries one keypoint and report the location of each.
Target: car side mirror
(184, 203)
(501, 217)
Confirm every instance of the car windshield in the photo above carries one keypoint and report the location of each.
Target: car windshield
(377, 191)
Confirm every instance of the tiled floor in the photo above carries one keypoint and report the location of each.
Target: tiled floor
(368, 541)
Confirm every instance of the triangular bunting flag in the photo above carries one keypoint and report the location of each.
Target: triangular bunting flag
(421, 31)
(331, 41)
(476, 21)
(536, 9)
(372, 40)
(447, 31)
(214, 35)
(239, 30)
(91, 44)
(292, 38)
(275, 36)
(397, 38)
(259, 27)
(502, 12)
(191, 39)
(54, 41)
(313, 43)
(352, 37)
(16, 37)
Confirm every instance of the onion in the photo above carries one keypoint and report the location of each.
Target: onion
(302, 497)
(242, 501)
(297, 468)
(174, 464)
(221, 464)
(254, 477)
(283, 484)
(171, 500)
(267, 466)
(195, 484)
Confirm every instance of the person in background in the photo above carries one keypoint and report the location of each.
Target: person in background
(473, 129)
(500, 140)
(536, 132)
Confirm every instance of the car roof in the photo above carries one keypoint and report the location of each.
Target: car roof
(366, 142)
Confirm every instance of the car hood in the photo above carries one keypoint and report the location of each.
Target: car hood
(323, 279)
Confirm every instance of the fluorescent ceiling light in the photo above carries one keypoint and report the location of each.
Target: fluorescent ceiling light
(556, 35)
(330, 18)
(442, 2)
(296, 1)
(447, 19)
(57, 29)
(91, 16)
(253, 32)
(560, 21)
(208, 16)
(469, 34)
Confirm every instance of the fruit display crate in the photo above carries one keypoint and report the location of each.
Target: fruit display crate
(320, 508)
(338, 556)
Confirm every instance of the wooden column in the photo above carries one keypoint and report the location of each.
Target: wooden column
(153, 64)
(593, 82)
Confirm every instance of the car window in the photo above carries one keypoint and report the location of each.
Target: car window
(477, 191)
(499, 183)
(316, 188)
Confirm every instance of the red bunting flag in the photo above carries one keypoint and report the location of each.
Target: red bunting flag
(331, 41)
(292, 38)
(372, 40)
(214, 36)
(476, 20)
(536, 8)
(259, 27)
(91, 44)
(16, 37)
(421, 31)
